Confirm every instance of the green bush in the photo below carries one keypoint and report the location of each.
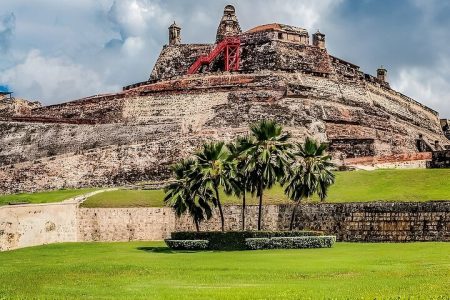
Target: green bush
(257, 243)
(290, 242)
(187, 244)
(235, 240)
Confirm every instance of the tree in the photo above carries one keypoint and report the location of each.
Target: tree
(269, 156)
(215, 170)
(311, 175)
(240, 154)
(182, 198)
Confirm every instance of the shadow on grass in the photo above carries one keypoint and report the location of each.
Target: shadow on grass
(165, 250)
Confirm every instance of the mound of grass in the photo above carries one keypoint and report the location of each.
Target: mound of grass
(358, 186)
(127, 198)
(391, 185)
(44, 197)
(149, 270)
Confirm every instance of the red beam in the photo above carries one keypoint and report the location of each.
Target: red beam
(229, 46)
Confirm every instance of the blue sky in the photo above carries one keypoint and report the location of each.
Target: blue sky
(59, 50)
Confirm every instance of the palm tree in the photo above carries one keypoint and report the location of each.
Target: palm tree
(269, 156)
(240, 154)
(182, 198)
(215, 170)
(312, 174)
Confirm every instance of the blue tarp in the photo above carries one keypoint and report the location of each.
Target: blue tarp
(4, 89)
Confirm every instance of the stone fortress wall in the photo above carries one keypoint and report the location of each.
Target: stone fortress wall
(30, 225)
(136, 134)
(33, 225)
(152, 128)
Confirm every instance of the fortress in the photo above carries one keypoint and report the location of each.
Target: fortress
(201, 92)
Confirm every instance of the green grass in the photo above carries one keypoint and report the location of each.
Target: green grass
(148, 270)
(127, 198)
(45, 197)
(357, 186)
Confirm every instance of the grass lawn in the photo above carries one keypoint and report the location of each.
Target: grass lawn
(148, 270)
(45, 197)
(127, 198)
(356, 186)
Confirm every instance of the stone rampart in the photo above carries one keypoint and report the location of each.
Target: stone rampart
(124, 224)
(168, 120)
(350, 222)
(29, 225)
(376, 222)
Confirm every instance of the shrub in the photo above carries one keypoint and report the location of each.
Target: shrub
(291, 242)
(187, 244)
(235, 240)
(257, 243)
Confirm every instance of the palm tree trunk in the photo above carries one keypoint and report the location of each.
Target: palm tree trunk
(291, 226)
(197, 225)
(260, 205)
(243, 211)
(222, 219)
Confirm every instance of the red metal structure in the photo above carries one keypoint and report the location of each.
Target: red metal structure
(230, 47)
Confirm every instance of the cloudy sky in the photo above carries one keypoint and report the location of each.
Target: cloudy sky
(58, 50)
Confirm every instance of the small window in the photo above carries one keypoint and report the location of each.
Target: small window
(280, 35)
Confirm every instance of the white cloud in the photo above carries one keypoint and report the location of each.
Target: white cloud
(135, 17)
(133, 45)
(308, 14)
(430, 86)
(39, 77)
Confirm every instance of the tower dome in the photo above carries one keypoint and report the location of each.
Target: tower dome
(229, 25)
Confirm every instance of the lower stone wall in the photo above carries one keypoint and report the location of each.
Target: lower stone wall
(124, 224)
(29, 225)
(233, 219)
(354, 222)
(376, 222)
(32, 225)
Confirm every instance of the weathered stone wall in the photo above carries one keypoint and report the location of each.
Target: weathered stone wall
(108, 166)
(445, 124)
(154, 125)
(376, 222)
(175, 60)
(233, 220)
(31, 225)
(399, 161)
(355, 222)
(368, 222)
(91, 110)
(361, 222)
(441, 159)
(124, 224)
(18, 107)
